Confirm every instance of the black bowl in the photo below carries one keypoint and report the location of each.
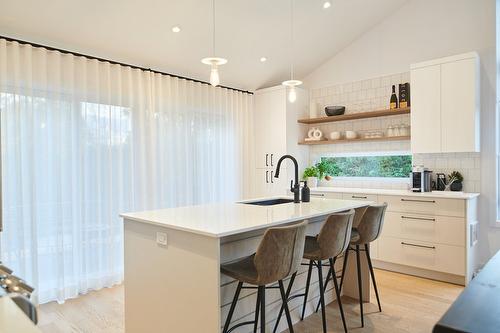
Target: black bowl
(334, 110)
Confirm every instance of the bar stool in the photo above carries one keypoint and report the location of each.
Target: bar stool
(358, 215)
(278, 255)
(368, 230)
(332, 241)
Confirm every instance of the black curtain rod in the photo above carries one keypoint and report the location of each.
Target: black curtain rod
(50, 48)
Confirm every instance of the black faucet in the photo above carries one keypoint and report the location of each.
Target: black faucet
(294, 188)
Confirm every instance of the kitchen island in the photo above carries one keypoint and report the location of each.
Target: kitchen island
(173, 256)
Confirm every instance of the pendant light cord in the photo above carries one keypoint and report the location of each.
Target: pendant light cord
(291, 39)
(213, 28)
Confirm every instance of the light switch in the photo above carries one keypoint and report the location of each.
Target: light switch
(161, 238)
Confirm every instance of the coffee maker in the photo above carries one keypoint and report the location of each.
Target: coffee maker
(421, 179)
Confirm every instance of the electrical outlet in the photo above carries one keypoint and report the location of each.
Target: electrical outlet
(161, 238)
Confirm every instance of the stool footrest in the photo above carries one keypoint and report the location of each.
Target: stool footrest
(240, 324)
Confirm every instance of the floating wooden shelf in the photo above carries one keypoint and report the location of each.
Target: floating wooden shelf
(354, 116)
(330, 142)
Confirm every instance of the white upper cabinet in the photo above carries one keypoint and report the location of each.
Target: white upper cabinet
(445, 105)
(425, 110)
(270, 126)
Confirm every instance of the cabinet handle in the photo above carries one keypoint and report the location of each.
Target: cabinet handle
(317, 194)
(358, 197)
(418, 218)
(416, 245)
(272, 176)
(272, 159)
(267, 163)
(415, 200)
(267, 177)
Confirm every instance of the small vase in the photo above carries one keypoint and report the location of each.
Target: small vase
(312, 181)
(456, 186)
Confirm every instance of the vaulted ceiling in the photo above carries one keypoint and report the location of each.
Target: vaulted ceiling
(139, 32)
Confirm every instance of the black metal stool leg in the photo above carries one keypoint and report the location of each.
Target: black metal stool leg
(257, 308)
(288, 291)
(233, 305)
(367, 251)
(337, 292)
(308, 281)
(285, 305)
(322, 295)
(262, 290)
(325, 285)
(360, 287)
(344, 267)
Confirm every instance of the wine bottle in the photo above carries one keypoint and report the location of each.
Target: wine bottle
(404, 94)
(394, 98)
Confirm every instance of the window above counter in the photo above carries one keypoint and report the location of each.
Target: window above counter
(376, 165)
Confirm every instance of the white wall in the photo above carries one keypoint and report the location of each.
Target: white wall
(423, 30)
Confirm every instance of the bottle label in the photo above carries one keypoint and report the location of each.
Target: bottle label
(394, 105)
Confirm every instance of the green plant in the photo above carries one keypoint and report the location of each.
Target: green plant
(311, 171)
(455, 176)
(325, 169)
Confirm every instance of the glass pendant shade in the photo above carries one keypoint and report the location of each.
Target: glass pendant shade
(214, 76)
(214, 62)
(292, 92)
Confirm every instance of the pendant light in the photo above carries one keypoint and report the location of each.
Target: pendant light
(214, 61)
(291, 84)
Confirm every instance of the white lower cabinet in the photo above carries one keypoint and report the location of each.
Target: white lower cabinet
(433, 256)
(426, 236)
(426, 228)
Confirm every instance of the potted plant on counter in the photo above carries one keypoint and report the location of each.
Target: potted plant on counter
(324, 170)
(311, 176)
(316, 173)
(455, 181)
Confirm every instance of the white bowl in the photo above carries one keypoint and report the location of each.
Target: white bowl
(335, 135)
(351, 135)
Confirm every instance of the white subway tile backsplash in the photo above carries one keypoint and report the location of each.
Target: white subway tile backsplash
(374, 94)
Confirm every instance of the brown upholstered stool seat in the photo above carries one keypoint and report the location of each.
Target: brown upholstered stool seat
(311, 248)
(355, 237)
(243, 270)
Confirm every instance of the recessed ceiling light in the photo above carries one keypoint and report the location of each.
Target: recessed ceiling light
(327, 4)
(263, 59)
(176, 29)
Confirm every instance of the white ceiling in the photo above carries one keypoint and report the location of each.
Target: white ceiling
(139, 32)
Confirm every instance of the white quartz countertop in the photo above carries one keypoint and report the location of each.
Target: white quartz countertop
(433, 194)
(225, 219)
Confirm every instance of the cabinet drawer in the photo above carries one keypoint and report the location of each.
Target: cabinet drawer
(426, 228)
(432, 256)
(360, 196)
(326, 195)
(429, 206)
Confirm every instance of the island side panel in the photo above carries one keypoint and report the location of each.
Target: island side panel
(172, 288)
(350, 287)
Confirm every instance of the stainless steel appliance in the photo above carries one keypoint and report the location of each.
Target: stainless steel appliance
(20, 292)
(421, 179)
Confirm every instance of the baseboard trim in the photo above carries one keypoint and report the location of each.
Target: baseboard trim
(420, 272)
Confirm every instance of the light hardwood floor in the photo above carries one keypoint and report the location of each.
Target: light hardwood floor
(409, 304)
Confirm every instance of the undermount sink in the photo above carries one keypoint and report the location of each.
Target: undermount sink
(269, 202)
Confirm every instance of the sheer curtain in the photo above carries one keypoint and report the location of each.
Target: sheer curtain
(84, 140)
